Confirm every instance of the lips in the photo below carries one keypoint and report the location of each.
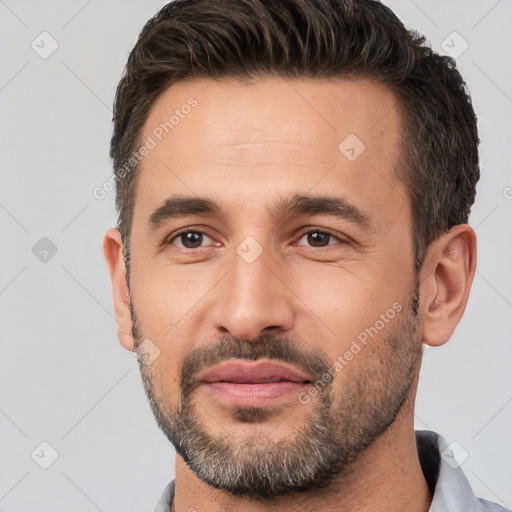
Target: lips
(252, 372)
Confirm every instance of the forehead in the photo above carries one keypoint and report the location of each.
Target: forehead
(237, 141)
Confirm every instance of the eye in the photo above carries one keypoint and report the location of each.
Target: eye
(189, 239)
(317, 238)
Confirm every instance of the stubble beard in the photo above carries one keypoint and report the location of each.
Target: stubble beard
(342, 423)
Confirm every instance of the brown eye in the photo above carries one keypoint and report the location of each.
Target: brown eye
(317, 239)
(189, 239)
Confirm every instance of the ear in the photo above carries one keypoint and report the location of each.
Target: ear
(446, 279)
(113, 252)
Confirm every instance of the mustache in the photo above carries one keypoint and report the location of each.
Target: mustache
(267, 346)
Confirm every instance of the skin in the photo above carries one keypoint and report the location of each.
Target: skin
(246, 146)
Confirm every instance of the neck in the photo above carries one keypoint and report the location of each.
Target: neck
(386, 477)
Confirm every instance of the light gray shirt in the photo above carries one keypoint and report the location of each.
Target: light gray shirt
(452, 492)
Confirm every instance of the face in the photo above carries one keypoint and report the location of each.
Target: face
(269, 227)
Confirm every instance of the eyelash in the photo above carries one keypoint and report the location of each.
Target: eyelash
(189, 230)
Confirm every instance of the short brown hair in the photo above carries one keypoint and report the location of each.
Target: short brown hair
(245, 39)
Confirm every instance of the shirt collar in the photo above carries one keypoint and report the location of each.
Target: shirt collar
(165, 501)
(452, 490)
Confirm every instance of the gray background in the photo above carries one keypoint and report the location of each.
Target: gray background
(65, 379)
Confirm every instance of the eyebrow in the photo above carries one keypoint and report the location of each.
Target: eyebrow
(180, 206)
(322, 205)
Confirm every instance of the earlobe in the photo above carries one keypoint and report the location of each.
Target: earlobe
(113, 252)
(446, 282)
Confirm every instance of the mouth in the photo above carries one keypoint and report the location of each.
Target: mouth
(253, 372)
(253, 383)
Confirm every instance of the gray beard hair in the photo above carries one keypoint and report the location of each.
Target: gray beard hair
(340, 428)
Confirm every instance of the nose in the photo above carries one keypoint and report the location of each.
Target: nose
(252, 298)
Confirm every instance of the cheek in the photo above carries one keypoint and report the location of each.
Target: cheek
(340, 309)
(165, 295)
(163, 317)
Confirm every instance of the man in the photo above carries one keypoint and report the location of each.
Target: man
(294, 180)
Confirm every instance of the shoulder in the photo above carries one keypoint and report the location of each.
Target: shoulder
(489, 506)
(451, 489)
